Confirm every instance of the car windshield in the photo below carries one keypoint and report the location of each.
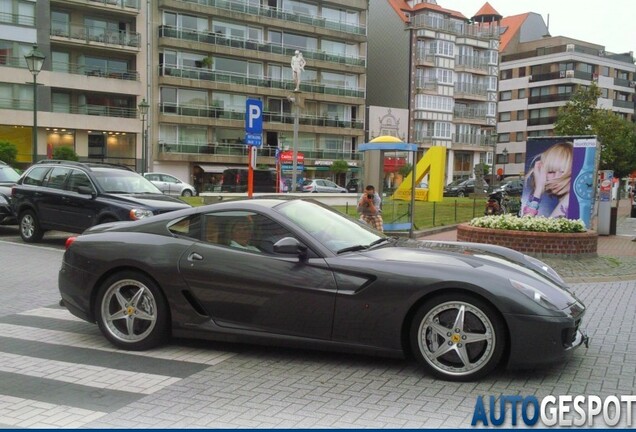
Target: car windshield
(330, 227)
(457, 182)
(8, 174)
(124, 182)
(307, 182)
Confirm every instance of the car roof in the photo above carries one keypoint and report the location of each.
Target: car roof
(89, 166)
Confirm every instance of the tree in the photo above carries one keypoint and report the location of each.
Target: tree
(8, 152)
(65, 153)
(580, 116)
(339, 167)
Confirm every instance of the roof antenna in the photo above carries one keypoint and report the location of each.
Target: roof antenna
(547, 28)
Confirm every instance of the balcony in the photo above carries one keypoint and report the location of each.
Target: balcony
(470, 113)
(243, 79)
(12, 61)
(621, 82)
(248, 44)
(89, 34)
(471, 62)
(549, 98)
(16, 104)
(129, 6)
(283, 15)
(541, 121)
(240, 150)
(623, 104)
(422, 21)
(285, 118)
(17, 19)
(426, 85)
(586, 76)
(96, 110)
(474, 139)
(105, 72)
(470, 90)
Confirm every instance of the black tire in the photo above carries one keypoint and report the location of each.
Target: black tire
(187, 193)
(147, 315)
(30, 229)
(480, 321)
(633, 212)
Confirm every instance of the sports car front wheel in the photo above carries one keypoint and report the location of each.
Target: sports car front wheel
(457, 337)
(131, 311)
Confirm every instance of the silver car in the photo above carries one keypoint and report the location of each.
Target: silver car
(322, 185)
(170, 185)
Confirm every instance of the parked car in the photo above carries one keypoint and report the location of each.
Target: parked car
(321, 185)
(353, 185)
(512, 187)
(73, 196)
(315, 278)
(170, 185)
(461, 188)
(8, 177)
(235, 180)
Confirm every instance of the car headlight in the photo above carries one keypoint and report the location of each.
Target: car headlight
(136, 214)
(544, 266)
(534, 294)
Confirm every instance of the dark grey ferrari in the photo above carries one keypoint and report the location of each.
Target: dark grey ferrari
(297, 273)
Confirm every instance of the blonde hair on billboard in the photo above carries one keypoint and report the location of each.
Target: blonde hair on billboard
(556, 158)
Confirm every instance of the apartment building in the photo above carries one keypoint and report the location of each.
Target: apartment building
(538, 75)
(213, 55)
(450, 82)
(92, 79)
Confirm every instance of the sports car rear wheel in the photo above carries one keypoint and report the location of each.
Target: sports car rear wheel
(457, 337)
(131, 311)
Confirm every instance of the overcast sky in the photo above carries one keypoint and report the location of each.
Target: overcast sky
(611, 23)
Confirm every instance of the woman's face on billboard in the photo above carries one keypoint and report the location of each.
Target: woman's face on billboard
(554, 174)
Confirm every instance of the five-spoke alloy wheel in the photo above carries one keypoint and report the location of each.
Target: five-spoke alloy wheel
(458, 337)
(131, 311)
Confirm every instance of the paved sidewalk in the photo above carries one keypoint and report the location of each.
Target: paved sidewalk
(616, 258)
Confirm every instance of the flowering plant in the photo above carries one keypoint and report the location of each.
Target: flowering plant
(529, 223)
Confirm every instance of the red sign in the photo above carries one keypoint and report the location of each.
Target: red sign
(392, 164)
(287, 157)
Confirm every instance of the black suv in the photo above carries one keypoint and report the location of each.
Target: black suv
(72, 196)
(8, 177)
(513, 187)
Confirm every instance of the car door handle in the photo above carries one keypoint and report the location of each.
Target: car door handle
(195, 257)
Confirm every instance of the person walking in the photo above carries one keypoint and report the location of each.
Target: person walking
(369, 208)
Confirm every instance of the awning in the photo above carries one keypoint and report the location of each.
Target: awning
(217, 168)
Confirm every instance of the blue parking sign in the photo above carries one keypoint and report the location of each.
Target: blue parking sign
(254, 116)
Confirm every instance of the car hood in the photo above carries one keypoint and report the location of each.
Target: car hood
(161, 201)
(463, 258)
(5, 189)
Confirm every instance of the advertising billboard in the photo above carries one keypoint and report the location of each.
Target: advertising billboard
(560, 177)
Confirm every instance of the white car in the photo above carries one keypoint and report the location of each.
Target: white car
(170, 185)
(321, 185)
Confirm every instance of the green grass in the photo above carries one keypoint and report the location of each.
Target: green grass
(450, 211)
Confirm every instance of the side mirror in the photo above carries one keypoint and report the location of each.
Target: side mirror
(290, 246)
(85, 190)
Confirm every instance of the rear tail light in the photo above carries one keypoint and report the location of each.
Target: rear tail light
(69, 242)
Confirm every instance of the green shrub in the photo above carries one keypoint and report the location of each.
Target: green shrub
(65, 153)
(529, 223)
(8, 152)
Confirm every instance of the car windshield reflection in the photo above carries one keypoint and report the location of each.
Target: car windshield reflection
(331, 228)
(124, 182)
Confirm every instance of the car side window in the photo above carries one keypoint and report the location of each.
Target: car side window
(77, 179)
(242, 230)
(189, 227)
(35, 176)
(169, 179)
(153, 177)
(57, 177)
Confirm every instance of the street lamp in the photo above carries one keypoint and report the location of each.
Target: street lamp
(493, 141)
(504, 152)
(35, 61)
(143, 110)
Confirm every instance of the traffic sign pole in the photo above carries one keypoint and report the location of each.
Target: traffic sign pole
(250, 171)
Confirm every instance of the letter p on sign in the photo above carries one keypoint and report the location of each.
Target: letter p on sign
(253, 116)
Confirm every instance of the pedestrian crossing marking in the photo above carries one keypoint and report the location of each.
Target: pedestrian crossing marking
(29, 413)
(86, 375)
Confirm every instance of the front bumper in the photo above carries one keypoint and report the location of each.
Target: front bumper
(541, 340)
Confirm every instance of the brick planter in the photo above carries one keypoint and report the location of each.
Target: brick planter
(533, 243)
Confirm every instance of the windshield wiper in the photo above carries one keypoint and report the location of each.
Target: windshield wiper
(352, 248)
(379, 241)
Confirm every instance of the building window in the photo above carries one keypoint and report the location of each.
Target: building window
(505, 95)
(503, 137)
(522, 72)
(519, 157)
(505, 74)
(519, 137)
(605, 71)
(521, 115)
(521, 94)
(504, 116)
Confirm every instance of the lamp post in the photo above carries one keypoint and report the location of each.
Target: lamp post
(143, 110)
(504, 152)
(493, 141)
(35, 61)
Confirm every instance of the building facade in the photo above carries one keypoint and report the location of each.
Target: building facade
(89, 86)
(451, 85)
(539, 73)
(211, 56)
